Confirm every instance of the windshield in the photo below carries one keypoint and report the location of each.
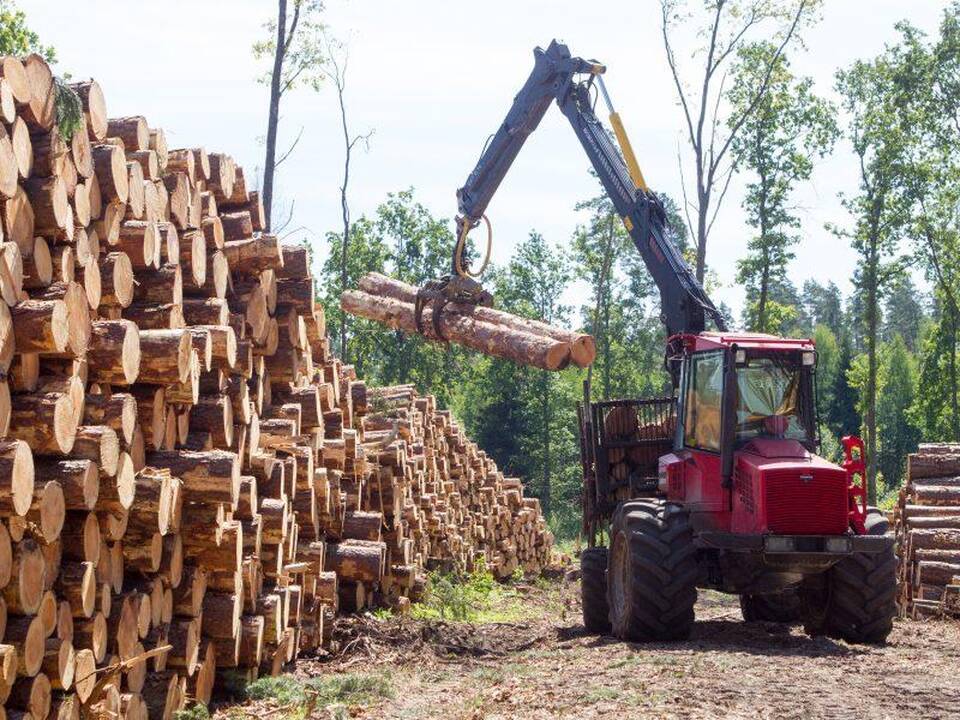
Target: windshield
(768, 401)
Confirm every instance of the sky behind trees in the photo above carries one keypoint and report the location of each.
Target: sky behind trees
(434, 82)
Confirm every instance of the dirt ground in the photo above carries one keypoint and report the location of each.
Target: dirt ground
(548, 667)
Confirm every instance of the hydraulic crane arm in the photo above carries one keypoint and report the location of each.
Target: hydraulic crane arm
(557, 76)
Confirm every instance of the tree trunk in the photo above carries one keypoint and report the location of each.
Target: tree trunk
(273, 118)
(870, 417)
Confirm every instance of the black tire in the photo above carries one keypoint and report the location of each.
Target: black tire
(593, 590)
(652, 572)
(856, 599)
(876, 522)
(781, 607)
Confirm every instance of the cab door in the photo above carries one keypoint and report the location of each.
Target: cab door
(700, 434)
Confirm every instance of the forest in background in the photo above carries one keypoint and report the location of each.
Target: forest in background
(887, 353)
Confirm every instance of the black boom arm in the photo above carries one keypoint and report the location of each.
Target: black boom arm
(684, 302)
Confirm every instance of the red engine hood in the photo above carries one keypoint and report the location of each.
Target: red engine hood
(773, 454)
(780, 487)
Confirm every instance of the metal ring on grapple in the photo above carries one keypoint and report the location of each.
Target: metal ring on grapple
(461, 246)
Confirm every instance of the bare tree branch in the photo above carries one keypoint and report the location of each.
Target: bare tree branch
(287, 221)
(664, 6)
(762, 90)
(289, 149)
(719, 203)
(339, 59)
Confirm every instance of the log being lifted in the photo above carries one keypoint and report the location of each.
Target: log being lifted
(583, 349)
(462, 327)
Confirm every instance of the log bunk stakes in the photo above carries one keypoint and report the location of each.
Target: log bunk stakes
(191, 484)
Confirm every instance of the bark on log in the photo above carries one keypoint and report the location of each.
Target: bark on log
(356, 561)
(114, 352)
(40, 326)
(133, 130)
(118, 411)
(45, 421)
(495, 340)
(110, 168)
(100, 444)
(212, 477)
(80, 480)
(164, 356)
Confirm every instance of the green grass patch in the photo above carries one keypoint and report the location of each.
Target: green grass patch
(197, 711)
(601, 694)
(472, 597)
(322, 691)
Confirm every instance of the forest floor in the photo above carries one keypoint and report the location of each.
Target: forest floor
(540, 663)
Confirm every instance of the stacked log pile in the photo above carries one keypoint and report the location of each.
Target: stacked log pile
(479, 328)
(927, 526)
(191, 484)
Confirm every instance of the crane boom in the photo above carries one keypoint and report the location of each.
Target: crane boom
(557, 76)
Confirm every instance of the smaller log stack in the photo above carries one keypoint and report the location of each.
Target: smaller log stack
(927, 527)
(444, 502)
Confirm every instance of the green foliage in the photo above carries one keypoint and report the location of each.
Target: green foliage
(69, 109)
(822, 305)
(788, 128)
(16, 38)
(305, 56)
(456, 596)
(195, 711)
(474, 597)
(284, 689)
(321, 691)
(880, 99)
(898, 436)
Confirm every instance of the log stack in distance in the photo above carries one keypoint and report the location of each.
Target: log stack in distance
(191, 484)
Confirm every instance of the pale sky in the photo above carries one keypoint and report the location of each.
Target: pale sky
(434, 78)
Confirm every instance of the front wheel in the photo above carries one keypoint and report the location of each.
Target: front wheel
(652, 573)
(855, 600)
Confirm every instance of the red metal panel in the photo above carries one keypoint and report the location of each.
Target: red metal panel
(701, 490)
(805, 501)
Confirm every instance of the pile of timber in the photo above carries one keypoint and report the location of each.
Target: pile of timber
(443, 502)
(927, 526)
(191, 484)
(484, 329)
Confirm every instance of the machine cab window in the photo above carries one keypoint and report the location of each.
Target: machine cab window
(772, 398)
(769, 400)
(703, 403)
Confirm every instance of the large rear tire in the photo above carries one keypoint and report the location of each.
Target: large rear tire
(856, 599)
(593, 590)
(652, 573)
(781, 607)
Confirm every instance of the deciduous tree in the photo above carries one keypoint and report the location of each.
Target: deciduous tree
(778, 141)
(725, 26)
(295, 45)
(876, 96)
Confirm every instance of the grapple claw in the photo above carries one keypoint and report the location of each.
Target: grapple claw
(445, 290)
